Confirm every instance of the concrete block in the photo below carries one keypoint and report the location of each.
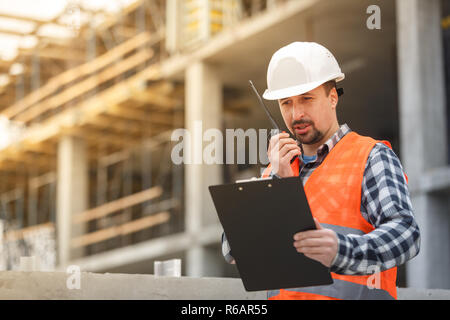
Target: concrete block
(423, 294)
(59, 285)
(53, 285)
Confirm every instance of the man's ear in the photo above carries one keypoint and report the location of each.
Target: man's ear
(334, 98)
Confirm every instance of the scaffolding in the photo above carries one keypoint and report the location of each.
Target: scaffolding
(108, 97)
(101, 85)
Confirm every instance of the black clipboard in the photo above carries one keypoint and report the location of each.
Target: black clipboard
(260, 219)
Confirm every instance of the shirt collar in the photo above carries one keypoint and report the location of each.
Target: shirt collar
(330, 143)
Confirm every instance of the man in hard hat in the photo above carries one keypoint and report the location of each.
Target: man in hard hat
(355, 185)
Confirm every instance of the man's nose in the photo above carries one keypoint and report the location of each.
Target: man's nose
(298, 111)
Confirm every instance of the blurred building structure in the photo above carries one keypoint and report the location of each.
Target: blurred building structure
(85, 160)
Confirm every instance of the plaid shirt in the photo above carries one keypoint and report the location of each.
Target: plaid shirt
(385, 204)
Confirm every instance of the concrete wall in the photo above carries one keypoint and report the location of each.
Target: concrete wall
(54, 285)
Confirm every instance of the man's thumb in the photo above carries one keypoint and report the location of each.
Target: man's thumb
(318, 225)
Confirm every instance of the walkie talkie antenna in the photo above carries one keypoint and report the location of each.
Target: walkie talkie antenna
(271, 118)
(266, 110)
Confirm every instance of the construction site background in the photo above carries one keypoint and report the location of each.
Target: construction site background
(91, 92)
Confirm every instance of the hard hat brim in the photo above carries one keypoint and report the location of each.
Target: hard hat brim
(298, 90)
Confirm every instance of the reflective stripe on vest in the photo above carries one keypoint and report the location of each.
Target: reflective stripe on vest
(340, 289)
(342, 230)
(333, 191)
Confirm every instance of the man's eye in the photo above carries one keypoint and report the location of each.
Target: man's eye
(307, 98)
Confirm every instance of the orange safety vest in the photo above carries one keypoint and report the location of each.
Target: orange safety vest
(334, 195)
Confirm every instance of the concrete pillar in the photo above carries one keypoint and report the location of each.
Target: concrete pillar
(205, 20)
(72, 194)
(172, 25)
(203, 111)
(423, 134)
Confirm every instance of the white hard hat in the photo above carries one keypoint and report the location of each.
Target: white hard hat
(298, 68)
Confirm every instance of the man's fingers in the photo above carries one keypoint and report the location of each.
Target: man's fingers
(312, 242)
(288, 148)
(281, 139)
(288, 156)
(320, 245)
(278, 141)
(281, 149)
(274, 139)
(311, 234)
(318, 225)
(281, 146)
(284, 141)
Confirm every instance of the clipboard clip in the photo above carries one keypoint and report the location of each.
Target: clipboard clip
(253, 179)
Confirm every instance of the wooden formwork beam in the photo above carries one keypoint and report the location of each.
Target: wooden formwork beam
(117, 125)
(95, 136)
(23, 159)
(46, 149)
(77, 73)
(147, 129)
(84, 86)
(60, 41)
(42, 180)
(155, 99)
(117, 205)
(135, 114)
(24, 18)
(82, 112)
(63, 54)
(112, 20)
(121, 230)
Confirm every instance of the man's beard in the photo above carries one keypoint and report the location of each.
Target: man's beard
(312, 137)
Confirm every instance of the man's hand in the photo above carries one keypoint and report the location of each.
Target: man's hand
(281, 150)
(320, 245)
